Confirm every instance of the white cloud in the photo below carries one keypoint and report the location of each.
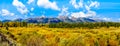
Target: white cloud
(77, 5)
(5, 12)
(78, 14)
(107, 19)
(32, 9)
(119, 19)
(0, 12)
(83, 5)
(20, 7)
(94, 4)
(31, 13)
(90, 13)
(64, 12)
(82, 14)
(86, 7)
(47, 4)
(30, 1)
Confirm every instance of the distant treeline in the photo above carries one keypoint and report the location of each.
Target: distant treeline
(62, 24)
(84, 25)
(13, 24)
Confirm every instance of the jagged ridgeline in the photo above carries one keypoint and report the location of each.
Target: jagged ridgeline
(55, 20)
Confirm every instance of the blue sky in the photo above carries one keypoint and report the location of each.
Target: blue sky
(98, 9)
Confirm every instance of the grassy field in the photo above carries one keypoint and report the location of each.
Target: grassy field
(43, 36)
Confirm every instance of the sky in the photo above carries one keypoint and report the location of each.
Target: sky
(98, 9)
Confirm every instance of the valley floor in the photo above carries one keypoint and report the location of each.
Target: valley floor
(43, 36)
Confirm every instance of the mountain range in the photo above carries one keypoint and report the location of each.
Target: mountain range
(55, 20)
